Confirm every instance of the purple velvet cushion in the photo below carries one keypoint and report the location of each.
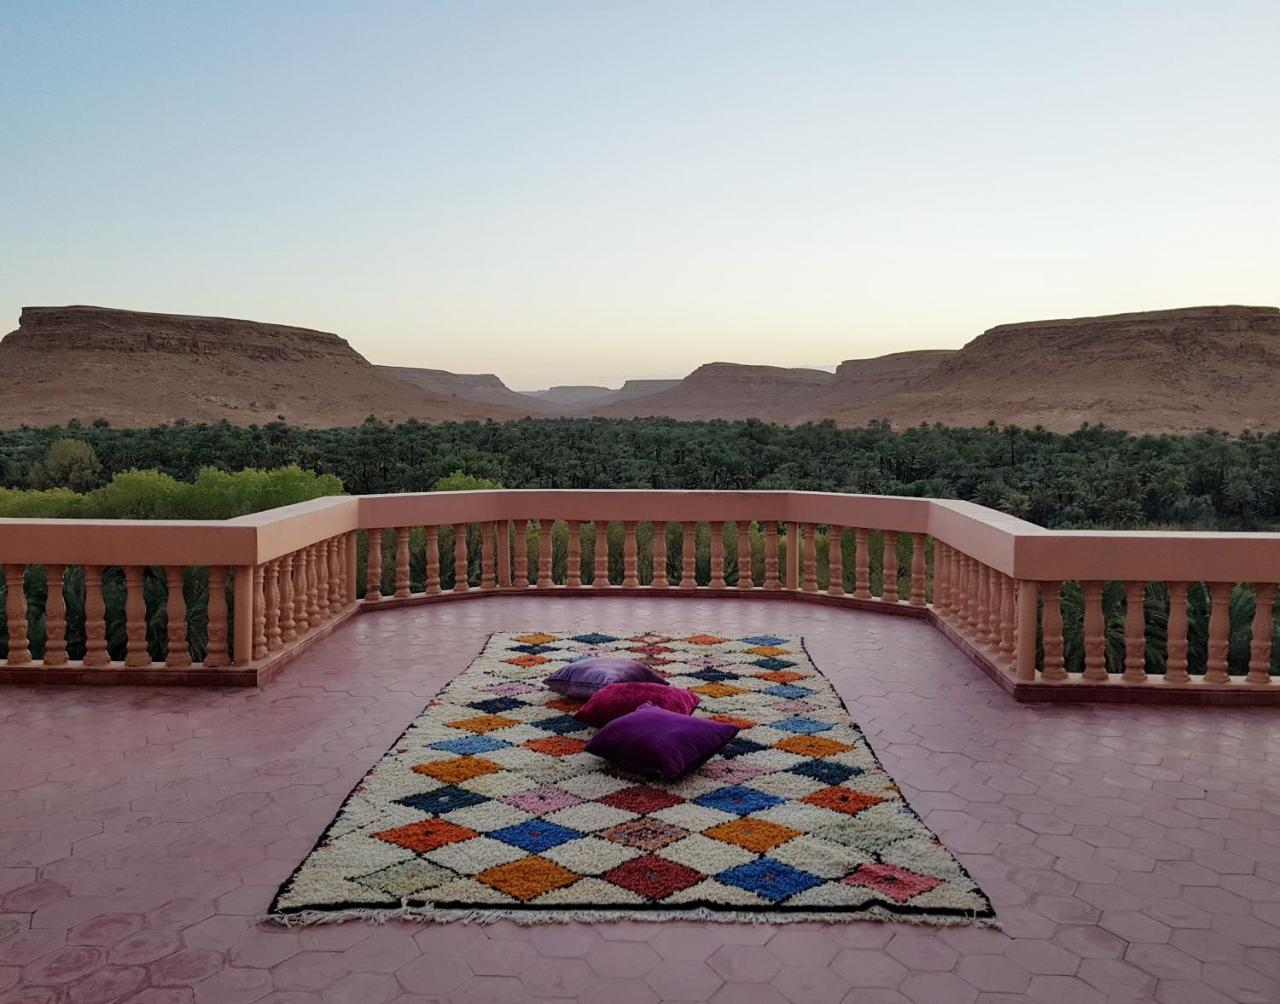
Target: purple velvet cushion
(584, 677)
(620, 699)
(659, 742)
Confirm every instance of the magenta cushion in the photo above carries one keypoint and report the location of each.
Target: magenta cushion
(584, 677)
(620, 699)
(658, 742)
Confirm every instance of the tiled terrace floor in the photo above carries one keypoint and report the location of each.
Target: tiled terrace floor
(1132, 854)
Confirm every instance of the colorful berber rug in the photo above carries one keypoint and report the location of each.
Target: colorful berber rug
(487, 807)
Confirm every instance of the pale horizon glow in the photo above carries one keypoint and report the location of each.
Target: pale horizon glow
(589, 192)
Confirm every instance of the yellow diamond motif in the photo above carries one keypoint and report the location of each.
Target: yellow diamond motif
(536, 639)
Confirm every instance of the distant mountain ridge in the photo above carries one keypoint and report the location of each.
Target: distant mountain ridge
(1180, 370)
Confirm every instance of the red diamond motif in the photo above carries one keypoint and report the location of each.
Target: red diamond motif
(898, 884)
(641, 799)
(653, 877)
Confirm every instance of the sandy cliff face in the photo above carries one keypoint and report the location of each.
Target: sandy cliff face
(726, 390)
(138, 369)
(1161, 371)
(476, 388)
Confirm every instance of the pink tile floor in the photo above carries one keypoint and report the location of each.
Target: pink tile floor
(1131, 853)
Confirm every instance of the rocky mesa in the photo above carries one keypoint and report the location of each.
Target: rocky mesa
(728, 391)
(138, 369)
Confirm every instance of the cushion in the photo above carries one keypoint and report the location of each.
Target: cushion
(584, 677)
(661, 743)
(618, 699)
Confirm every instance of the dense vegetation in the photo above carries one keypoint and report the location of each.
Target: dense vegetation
(1095, 477)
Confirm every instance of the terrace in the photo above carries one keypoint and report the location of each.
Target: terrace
(1130, 850)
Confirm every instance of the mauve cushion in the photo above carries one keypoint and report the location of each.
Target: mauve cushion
(659, 742)
(584, 677)
(620, 699)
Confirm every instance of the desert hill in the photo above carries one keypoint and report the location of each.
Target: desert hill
(725, 390)
(1181, 370)
(473, 388)
(570, 396)
(138, 369)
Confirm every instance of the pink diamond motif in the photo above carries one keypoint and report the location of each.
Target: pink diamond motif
(540, 801)
(732, 771)
(511, 689)
(898, 884)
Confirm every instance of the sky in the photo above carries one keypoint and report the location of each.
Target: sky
(584, 192)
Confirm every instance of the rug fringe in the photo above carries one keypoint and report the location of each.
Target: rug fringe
(528, 918)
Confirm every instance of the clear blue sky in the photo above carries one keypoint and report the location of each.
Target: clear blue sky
(580, 192)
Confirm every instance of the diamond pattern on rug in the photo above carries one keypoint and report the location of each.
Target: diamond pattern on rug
(489, 804)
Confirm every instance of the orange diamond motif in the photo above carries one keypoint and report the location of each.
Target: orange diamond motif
(525, 661)
(811, 746)
(780, 676)
(705, 639)
(717, 690)
(536, 639)
(566, 704)
(462, 768)
(758, 835)
(769, 650)
(843, 800)
(527, 878)
(559, 746)
(426, 835)
(735, 721)
(483, 723)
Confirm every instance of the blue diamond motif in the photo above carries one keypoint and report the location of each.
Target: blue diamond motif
(800, 724)
(562, 724)
(737, 799)
(532, 649)
(764, 639)
(712, 675)
(442, 800)
(496, 705)
(740, 747)
(771, 879)
(469, 745)
(789, 690)
(594, 639)
(772, 663)
(828, 773)
(535, 835)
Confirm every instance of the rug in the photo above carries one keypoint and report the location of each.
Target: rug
(487, 807)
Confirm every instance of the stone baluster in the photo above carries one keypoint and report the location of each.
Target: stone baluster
(352, 577)
(260, 610)
(917, 570)
(274, 641)
(216, 654)
(1008, 617)
(15, 609)
(630, 578)
(1263, 628)
(488, 559)
(522, 554)
(745, 571)
(1026, 610)
(460, 584)
(242, 594)
(1219, 630)
(288, 626)
(600, 553)
(983, 626)
(504, 554)
(573, 560)
(959, 588)
(337, 591)
(941, 576)
(861, 564)
(809, 557)
(1175, 664)
(1135, 633)
(318, 595)
(373, 568)
(890, 591)
(660, 580)
(545, 540)
(771, 580)
(433, 561)
(975, 580)
(995, 627)
(1055, 670)
(402, 562)
(135, 619)
(791, 578)
(689, 557)
(55, 618)
(716, 581)
(1095, 643)
(835, 562)
(301, 616)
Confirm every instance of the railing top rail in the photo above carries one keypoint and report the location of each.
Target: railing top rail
(1011, 545)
